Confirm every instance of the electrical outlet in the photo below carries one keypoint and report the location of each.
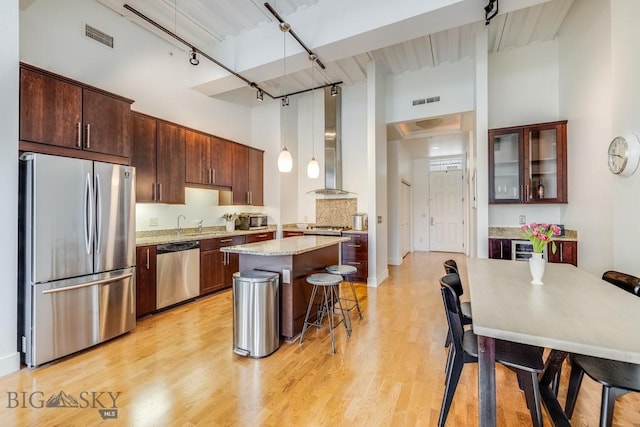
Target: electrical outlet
(523, 219)
(153, 222)
(379, 219)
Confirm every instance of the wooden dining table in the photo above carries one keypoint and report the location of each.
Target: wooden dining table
(574, 311)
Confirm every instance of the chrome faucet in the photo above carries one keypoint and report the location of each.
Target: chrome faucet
(200, 227)
(179, 228)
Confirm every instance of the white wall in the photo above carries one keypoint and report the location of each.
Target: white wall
(453, 82)
(524, 89)
(420, 194)
(354, 143)
(585, 101)
(480, 215)
(9, 357)
(289, 193)
(377, 174)
(400, 167)
(625, 34)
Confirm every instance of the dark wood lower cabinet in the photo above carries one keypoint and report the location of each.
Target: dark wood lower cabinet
(216, 267)
(500, 248)
(355, 252)
(566, 253)
(145, 280)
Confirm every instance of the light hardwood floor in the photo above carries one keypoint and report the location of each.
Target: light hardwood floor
(178, 368)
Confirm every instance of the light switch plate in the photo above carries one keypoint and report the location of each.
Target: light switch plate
(286, 276)
(523, 219)
(153, 222)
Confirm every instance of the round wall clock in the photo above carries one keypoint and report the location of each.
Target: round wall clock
(624, 154)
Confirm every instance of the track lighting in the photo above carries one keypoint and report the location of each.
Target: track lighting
(193, 60)
(490, 11)
(334, 90)
(285, 101)
(260, 95)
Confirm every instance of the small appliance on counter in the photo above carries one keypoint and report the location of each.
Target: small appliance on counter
(250, 221)
(360, 222)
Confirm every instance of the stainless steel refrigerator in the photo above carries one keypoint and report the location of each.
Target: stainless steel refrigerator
(77, 255)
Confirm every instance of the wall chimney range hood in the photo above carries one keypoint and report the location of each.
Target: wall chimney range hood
(332, 144)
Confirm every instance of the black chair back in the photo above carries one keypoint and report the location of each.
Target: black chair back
(450, 266)
(454, 316)
(453, 280)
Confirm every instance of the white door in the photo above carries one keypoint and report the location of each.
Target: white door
(446, 229)
(405, 218)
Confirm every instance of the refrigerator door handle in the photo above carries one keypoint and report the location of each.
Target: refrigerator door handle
(98, 214)
(88, 214)
(92, 283)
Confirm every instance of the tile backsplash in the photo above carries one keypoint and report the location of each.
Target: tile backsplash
(337, 212)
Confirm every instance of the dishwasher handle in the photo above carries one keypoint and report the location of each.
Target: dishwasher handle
(177, 247)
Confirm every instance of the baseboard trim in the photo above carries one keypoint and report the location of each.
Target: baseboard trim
(9, 363)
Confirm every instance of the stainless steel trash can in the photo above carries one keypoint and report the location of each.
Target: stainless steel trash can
(256, 313)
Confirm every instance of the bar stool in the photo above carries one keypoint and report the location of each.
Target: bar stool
(347, 271)
(330, 284)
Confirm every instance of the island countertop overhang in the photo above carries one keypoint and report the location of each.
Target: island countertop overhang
(288, 246)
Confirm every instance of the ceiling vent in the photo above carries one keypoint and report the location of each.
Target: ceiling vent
(99, 36)
(423, 101)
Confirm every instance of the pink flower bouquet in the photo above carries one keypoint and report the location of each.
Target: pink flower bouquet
(540, 235)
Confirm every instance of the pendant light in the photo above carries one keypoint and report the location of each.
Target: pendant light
(285, 161)
(313, 168)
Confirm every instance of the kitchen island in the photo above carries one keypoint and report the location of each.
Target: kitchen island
(293, 258)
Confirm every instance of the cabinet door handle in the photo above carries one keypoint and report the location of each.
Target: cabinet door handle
(213, 176)
(353, 246)
(148, 266)
(262, 235)
(159, 192)
(210, 177)
(88, 135)
(79, 137)
(561, 257)
(225, 240)
(353, 263)
(527, 191)
(501, 253)
(153, 191)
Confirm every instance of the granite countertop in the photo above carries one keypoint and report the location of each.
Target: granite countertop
(160, 237)
(289, 246)
(516, 233)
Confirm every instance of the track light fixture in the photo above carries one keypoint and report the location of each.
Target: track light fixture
(193, 60)
(334, 90)
(490, 11)
(285, 101)
(260, 95)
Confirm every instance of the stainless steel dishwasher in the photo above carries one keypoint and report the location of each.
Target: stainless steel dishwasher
(178, 273)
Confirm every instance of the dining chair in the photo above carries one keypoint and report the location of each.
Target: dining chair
(617, 378)
(453, 280)
(451, 266)
(525, 360)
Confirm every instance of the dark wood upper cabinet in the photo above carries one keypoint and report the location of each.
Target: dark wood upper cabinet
(209, 159)
(528, 164)
(170, 163)
(50, 110)
(143, 156)
(107, 124)
(248, 178)
(63, 117)
(158, 153)
(256, 170)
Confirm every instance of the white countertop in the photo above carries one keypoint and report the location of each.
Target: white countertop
(288, 246)
(573, 311)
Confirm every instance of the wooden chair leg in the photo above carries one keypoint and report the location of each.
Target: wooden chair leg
(532, 395)
(575, 379)
(453, 376)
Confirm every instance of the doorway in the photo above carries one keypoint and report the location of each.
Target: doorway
(405, 218)
(446, 205)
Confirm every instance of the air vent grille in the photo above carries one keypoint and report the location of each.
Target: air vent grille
(423, 101)
(97, 35)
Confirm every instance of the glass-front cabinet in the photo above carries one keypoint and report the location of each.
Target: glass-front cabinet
(528, 164)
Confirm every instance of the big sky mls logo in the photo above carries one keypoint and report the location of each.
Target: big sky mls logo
(104, 401)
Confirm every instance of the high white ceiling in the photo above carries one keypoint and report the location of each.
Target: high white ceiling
(244, 35)
(401, 36)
